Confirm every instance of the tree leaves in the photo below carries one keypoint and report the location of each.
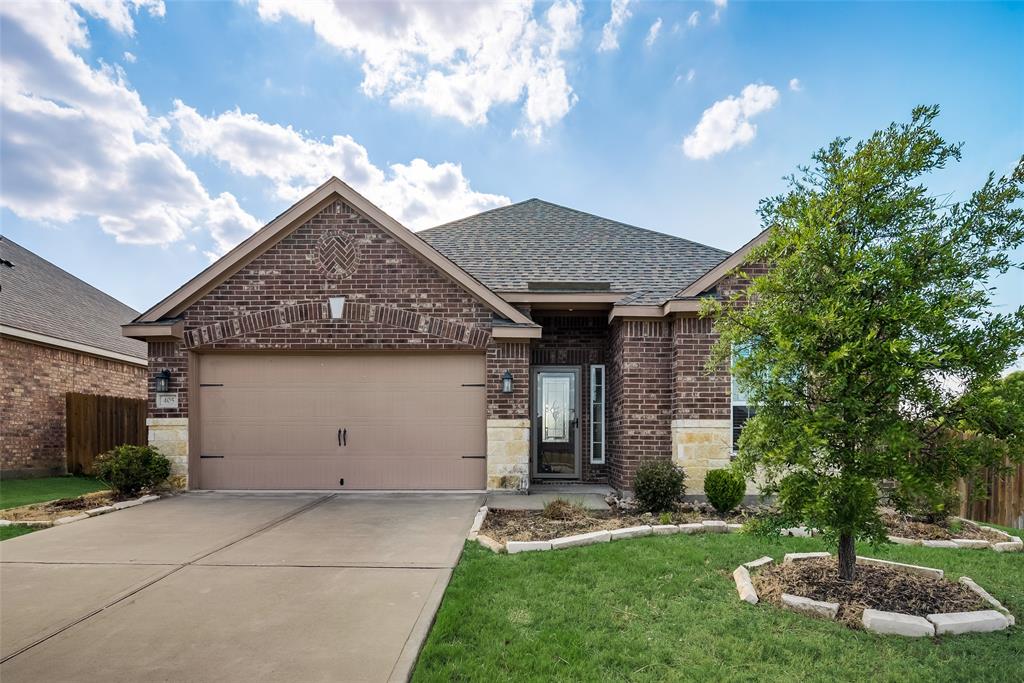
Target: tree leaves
(872, 322)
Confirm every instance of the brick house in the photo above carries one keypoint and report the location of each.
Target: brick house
(57, 335)
(335, 349)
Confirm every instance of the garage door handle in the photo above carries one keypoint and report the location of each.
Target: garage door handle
(342, 437)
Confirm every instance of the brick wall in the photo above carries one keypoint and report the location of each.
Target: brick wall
(640, 396)
(576, 339)
(697, 394)
(515, 357)
(393, 301)
(34, 380)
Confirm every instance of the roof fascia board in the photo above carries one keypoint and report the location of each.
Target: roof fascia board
(269, 234)
(516, 332)
(626, 312)
(708, 279)
(154, 332)
(57, 342)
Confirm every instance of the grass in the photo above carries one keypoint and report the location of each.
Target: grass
(666, 609)
(17, 492)
(15, 530)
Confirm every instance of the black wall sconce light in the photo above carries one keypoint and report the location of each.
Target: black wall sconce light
(506, 382)
(163, 381)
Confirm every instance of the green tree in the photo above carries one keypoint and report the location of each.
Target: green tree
(870, 327)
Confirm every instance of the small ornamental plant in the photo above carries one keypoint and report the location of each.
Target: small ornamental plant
(128, 470)
(658, 485)
(724, 489)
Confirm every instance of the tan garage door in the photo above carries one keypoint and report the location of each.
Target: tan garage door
(372, 421)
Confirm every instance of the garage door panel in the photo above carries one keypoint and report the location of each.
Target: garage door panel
(410, 422)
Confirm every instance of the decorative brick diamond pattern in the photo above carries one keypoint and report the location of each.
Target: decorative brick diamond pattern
(338, 255)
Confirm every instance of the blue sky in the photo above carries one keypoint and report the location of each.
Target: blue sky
(143, 139)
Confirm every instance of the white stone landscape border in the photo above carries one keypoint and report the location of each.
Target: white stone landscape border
(877, 621)
(1012, 544)
(711, 526)
(85, 514)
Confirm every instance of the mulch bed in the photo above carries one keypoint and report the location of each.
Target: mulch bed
(65, 507)
(533, 525)
(874, 587)
(907, 527)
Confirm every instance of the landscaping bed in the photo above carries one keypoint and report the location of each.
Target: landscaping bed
(568, 520)
(64, 507)
(874, 587)
(904, 526)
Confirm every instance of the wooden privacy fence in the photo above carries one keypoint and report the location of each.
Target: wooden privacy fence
(1000, 499)
(95, 424)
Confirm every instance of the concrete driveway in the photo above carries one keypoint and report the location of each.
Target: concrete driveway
(232, 587)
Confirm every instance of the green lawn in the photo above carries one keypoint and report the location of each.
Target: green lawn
(17, 492)
(665, 608)
(15, 530)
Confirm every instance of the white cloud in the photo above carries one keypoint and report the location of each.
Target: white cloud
(726, 123)
(795, 85)
(77, 142)
(693, 19)
(690, 75)
(118, 13)
(418, 194)
(652, 32)
(610, 33)
(129, 57)
(719, 6)
(458, 60)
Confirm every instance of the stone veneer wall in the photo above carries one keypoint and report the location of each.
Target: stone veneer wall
(35, 379)
(169, 435)
(508, 455)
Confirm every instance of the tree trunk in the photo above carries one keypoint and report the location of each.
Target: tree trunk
(847, 557)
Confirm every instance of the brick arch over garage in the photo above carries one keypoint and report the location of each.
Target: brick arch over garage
(475, 337)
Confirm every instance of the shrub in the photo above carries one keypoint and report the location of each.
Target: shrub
(129, 469)
(933, 509)
(724, 489)
(658, 485)
(560, 508)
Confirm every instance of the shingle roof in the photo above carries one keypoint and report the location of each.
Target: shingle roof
(537, 241)
(37, 296)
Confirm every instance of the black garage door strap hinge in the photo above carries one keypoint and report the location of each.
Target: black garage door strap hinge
(474, 385)
(474, 457)
(211, 385)
(205, 457)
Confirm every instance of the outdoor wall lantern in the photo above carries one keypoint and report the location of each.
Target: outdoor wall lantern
(163, 381)
(506, 382)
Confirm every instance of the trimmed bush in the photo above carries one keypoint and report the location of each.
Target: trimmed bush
(724, 489)
(129, 470)
(658, 485)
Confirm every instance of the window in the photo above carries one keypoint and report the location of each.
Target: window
(741, 410)
(597, 414)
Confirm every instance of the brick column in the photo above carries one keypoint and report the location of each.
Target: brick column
(508, 417)
(701, 403)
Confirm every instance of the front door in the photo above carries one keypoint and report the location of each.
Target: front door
(556, 424)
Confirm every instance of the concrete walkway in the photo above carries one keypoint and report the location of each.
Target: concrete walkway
(232, 587)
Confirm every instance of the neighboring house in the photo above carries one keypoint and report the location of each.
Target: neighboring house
(57, 335)
(334, 348)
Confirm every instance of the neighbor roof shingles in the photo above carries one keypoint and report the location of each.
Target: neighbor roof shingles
(537, 241)
(37, 296)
